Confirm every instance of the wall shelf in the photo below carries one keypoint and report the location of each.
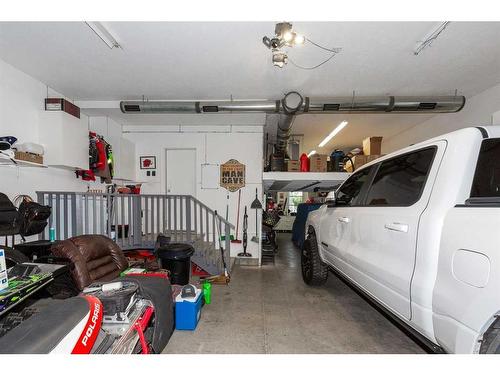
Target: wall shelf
(4, 160)
(118, 179)
(65, 167)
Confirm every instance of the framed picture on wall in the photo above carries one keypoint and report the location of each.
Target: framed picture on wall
(147, 162)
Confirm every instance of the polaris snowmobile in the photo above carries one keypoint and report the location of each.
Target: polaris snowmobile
(128, 315)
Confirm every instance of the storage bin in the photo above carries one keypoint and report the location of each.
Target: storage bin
(176, 257)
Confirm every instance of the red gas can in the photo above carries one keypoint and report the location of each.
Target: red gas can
(304, 163)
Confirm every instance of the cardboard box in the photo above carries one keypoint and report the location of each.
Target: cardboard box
(372, 146)
(293, 166)
(359, 161)
(26, 156)
(318, 163)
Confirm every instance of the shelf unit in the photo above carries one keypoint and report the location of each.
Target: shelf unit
(66, 140)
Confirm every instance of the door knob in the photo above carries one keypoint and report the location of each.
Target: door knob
(343, 219)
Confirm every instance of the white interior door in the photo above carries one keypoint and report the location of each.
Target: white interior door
(181, 171)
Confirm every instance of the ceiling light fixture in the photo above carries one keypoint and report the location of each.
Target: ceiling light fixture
(299, 39)
(288, 36)
(334, 132)
(284, 36)
(104, 34)
(311, 153)
(279, 59)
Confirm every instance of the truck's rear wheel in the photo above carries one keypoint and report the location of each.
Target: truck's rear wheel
(314, 271)
(491, 339)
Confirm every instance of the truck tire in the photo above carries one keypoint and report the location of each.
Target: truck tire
(491, 339)
(13, 257)
(314, 271)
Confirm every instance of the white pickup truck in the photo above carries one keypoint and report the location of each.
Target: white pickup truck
(418, 232)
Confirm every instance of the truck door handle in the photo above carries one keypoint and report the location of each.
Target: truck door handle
(398, 227)
(343, 219)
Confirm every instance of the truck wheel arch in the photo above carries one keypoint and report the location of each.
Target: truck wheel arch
(488, 341)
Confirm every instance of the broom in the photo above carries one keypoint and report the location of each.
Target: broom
(223, 238)
(238, 219)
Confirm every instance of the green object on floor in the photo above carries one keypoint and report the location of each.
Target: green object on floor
(207, 292)
(223, 238)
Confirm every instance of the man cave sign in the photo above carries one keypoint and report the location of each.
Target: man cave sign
(232, 175)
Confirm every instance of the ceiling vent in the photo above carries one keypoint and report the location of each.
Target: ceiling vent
(331, 107)
(426, 106)
(210, 108)
(131, 108)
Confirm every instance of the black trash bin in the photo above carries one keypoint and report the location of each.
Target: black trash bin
(176, 257)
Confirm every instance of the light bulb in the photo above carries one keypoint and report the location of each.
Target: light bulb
(299, 39)
(288, 36)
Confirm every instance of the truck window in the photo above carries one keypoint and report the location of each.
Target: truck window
(348, 194)
(486, 181)
(400, 181)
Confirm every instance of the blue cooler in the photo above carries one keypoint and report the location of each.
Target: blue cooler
(188, 311)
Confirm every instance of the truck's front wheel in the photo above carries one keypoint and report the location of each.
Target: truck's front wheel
(314, 271)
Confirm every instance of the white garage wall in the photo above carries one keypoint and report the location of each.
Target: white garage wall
(214, 145)
(482, 109)
(21, 102)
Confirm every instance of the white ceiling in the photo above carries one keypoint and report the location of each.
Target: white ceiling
(212, 60)
(316, 127)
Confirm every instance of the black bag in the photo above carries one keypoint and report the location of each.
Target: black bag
(33, 217)
(8, 217)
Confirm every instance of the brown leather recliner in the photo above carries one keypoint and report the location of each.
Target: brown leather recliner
(95, 258)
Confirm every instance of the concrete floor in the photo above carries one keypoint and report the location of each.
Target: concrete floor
(271, 310)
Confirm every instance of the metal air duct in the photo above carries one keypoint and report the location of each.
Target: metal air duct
(385, 104)
(294, 103)
(291, 104)
(259, 106)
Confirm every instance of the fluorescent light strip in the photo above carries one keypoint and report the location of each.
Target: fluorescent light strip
(311, 153)
(104, 34)
(334, 132)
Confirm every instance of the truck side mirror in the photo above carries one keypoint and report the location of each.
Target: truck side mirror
(331, 198)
